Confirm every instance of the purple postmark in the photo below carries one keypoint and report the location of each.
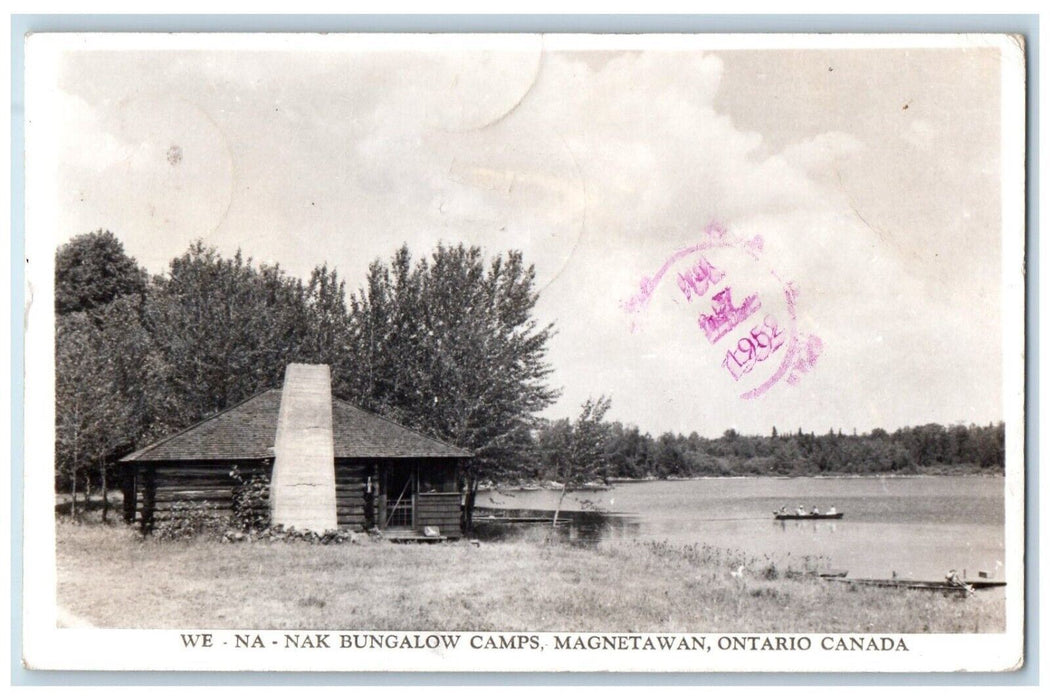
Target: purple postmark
(725, 316)
(759, 344)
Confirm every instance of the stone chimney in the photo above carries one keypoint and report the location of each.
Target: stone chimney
(302, 489)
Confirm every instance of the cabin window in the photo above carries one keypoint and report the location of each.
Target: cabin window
(435, 481)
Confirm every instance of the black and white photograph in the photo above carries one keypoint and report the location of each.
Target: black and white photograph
(524, 352)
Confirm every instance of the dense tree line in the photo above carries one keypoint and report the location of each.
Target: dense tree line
(628, 453)
(446, 344)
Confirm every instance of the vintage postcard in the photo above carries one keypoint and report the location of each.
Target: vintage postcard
(524, 352)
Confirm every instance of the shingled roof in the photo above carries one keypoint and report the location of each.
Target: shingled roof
(247, 430)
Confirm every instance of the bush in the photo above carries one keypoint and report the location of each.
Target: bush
(251, 502)
(186, 520)
(279, 533)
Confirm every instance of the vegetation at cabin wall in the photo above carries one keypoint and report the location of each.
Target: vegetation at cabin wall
(189, 519)
(251, 502)
(445, 344)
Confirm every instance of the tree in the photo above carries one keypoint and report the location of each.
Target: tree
(582, 449)
(92, 270)
(629, 454)
(327, 332)
(223, 330)
(93, 277)
(787, 458)
(668, 459)
(135, 385)
(448, 345)
(88, 412)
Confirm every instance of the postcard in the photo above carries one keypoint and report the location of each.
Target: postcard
(521, 352)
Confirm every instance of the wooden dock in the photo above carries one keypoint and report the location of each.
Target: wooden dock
(943, 585)
(411, 537)
(501, 519)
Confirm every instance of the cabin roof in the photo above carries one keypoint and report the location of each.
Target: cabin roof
(247, 430)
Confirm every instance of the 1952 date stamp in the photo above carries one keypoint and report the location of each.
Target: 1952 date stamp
(750, 341)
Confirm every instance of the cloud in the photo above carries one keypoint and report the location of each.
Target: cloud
(920, 133)
(597, 169)
(87, 145)
(821, 150)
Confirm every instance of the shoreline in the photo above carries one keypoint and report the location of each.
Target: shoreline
(543, 586)
(554, 486)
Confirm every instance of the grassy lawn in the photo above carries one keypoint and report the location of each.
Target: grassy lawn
(111, 577)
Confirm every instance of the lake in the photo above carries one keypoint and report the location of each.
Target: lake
(918, 527)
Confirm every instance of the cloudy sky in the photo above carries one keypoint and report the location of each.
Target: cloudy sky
(871, 176)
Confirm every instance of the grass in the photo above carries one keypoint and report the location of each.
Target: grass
(112, 577)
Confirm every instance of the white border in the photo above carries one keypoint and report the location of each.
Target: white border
(45, 646)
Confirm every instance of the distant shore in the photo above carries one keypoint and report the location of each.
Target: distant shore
(601, 486)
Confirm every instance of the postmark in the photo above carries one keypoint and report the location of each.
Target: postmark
(758, 341)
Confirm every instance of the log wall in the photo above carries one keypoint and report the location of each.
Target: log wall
(156, 489)
(350, 497)
(159, 488)
(440, 510)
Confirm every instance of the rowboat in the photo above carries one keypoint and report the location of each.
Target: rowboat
(807, 516)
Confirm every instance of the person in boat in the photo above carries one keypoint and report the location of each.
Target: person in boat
(815, 511)
(831, 510)
(801, 509)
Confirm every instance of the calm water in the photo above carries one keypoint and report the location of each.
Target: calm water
(917, 527)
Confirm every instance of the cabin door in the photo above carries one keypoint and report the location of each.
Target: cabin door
(400, 498)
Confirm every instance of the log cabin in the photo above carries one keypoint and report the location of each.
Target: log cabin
(327, 464)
